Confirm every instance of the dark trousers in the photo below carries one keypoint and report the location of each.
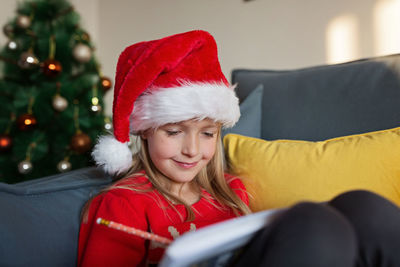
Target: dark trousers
(355, 229)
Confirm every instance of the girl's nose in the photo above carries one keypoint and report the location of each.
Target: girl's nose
(190, 146)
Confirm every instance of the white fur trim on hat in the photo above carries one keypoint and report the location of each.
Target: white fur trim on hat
(158, 106)
(115, 157)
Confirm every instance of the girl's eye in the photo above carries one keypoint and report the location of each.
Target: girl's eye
(209, 134)
(171, 132)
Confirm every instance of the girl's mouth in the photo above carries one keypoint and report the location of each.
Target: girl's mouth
(186, 165)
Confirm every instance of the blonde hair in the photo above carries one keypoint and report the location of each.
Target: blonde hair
(211, 178)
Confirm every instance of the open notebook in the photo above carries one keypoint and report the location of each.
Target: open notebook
(214, 245)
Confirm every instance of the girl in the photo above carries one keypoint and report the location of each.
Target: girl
(172, 94)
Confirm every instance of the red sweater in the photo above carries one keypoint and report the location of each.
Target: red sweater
(102, 246)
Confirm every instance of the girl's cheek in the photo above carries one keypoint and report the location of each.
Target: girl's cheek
(209, 151)
(166, 148)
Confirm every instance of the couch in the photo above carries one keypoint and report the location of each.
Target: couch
(318, 132)
(40, 218)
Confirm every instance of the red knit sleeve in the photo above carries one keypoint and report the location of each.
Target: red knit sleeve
(103, 246)
(238, 187)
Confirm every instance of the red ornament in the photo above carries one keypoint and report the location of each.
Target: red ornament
(26, 122)
(5, 143)
(105, 83)
(80, 143)
(51, 68)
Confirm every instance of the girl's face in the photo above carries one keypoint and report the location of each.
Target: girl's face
(181, 150)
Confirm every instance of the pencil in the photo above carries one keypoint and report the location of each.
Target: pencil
(134, 231)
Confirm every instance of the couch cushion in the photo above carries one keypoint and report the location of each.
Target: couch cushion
(249, 123)
(283, 172)
(327, 101)
(40, 218)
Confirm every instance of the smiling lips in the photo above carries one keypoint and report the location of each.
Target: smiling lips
(186, 165)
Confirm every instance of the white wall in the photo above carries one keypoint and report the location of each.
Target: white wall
(280, 34)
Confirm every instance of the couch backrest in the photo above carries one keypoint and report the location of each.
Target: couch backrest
(40, 219)
(328, 101)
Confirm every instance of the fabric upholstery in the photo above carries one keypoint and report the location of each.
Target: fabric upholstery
(40, 218)
(282, 172)
(249, 123)
(323, 102)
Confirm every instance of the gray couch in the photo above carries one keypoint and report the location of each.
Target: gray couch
(40, 219)
(39, 222)
(322, 102)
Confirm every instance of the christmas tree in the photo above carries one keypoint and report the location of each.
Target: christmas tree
(51, 93)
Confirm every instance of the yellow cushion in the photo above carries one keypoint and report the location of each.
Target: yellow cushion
(282, 172)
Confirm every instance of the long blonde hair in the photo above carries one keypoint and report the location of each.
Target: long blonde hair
(211, 178)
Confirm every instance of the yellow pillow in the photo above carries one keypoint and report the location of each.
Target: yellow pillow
(282, 172)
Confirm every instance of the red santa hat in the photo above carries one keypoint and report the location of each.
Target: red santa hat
(169, 80)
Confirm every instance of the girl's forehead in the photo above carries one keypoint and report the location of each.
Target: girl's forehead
(196, 123)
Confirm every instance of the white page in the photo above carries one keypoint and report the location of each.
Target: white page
(215, 239)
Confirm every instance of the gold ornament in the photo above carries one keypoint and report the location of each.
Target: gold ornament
(80, 143)
(105, 83)
(26, 122)
(95, 105)
(59, 103)
(51, 68)
(95, 100)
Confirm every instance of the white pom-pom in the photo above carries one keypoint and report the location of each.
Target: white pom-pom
(115, 157)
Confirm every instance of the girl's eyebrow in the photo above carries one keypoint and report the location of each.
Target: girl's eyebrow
(170, 124)
(210, 126)
(185, 125)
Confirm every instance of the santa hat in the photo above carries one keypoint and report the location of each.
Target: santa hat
(169, 80)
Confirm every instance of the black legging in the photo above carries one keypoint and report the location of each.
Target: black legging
(355, 229)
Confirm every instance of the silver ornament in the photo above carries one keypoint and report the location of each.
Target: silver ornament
(23, 21)
(25, 167)
(59, 103)
(64, 166)
(96, 108)
(27, 60)
(12, 45)
(82, 53)
(108, 126)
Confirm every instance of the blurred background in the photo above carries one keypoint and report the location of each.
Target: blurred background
(256, 34)
(58, 61)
